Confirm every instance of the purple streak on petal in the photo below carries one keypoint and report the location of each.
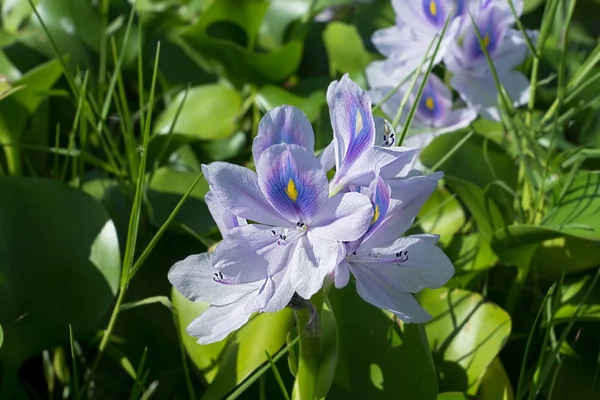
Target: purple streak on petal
(435, 102)
(285, 124)
(293, 181)
(352, 121)
(380, 193)
(434, 12)
(238, 191)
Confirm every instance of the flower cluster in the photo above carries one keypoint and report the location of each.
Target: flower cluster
(287, 229)
(418, 24)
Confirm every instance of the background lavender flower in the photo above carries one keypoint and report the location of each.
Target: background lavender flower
(507, 48)
(434, 114)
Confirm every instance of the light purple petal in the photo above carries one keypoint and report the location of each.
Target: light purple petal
(346, 217)
(238, 191)
(372, 285)
(224, 219)
(411, 264)
(315, 257)
(285, 124)
(252, 253)
(456, 119)
(352, 121)
(214, 324)
(512, 51)
(407, 197)
(482, 94)
(341, 275)
(194, 278)
(284, 290)
(293, 181)
(327, 157)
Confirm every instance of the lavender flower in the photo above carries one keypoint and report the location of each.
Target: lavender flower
(387, 268)
(434, 114)
(418, 23)
(507, 49)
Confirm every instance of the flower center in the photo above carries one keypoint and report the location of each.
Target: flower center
(291, 190)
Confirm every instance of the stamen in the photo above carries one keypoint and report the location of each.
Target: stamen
(402, 256)
(220, 278)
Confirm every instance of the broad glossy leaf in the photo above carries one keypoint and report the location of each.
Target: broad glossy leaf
(442, 215)
(479, 160)
(279, 15)
(483, 207)
(227, 363)
(209, 112)
(495, 384)
(569, 254)
(471, 255)
(270, 96)
(454, 396)
(167, 187)
(346, 51)
(70, 277)
(466, 334)
(14, 13)
(379, 358)
(572, 294)
(578, 212)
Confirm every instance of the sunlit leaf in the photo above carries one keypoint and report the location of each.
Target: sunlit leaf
(572, 294)
(442, 215)
(227, 363)
(577, 213)
(209, 112)
(270, 96)
(379, 358)
(495, 384)
(466, 334)
(70, 278)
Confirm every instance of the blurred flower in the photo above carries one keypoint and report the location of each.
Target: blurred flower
(434, 113)
(387, 268)
(507, 48)
(418, 23)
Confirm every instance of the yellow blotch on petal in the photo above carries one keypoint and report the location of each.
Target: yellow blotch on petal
(359, 122)
(291, 190)
(432, 8)
(429, 103)
(375, 215)
(486, 40)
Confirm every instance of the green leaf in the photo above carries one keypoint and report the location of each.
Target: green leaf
(442, 215)
(466, 334)
(484, 209)
(70, 277)
(495, 384)
(209, 112)
(14, 13)
(1, 336)
(470, 254)
(379, 358)
(346, 51)
(279, 15)
(270, 96)
(577, 213)
(166, 188)
(572, 293)
(454, 396)
(227, 363)
(569, 254)
(329, 350)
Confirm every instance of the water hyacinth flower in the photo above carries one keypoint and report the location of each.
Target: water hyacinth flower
(301, 231)
(418, 23)
(434, 113)
(388, 268)
(472, 77)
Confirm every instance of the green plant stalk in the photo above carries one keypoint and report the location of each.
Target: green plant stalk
(12, 153)
(307, 376)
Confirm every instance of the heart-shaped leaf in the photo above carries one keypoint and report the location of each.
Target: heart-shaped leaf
(466, 334)
(70, 277)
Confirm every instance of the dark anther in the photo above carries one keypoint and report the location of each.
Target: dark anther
(345, 242)
(354, 253)
(273, 232)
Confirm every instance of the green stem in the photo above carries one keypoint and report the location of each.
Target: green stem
(13, 157)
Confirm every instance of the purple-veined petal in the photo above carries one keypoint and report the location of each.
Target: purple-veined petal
(391, 162)
(407, 197)
(217, 322)
(411, 263)
(293, 180)
(197, 280)
(372, 285)
(252, 253)
(435, 102)
(512, 51)
(285, 124)
(352, 121)
(238, 191)
(315, 257)
(224, 219)
(346, 217)
(284, 290)
(379, 193)
(341, 275)
(456, 119)
(327, 157)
